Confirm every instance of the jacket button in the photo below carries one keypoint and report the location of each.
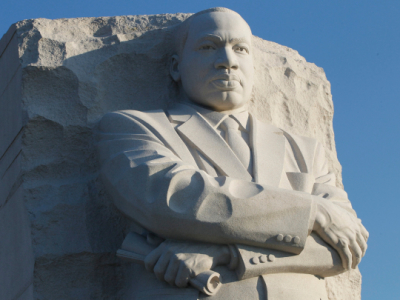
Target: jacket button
(263, 258)
(271, 257)
(279, 237)
(288, 238)
(296, 240)
(254, 260)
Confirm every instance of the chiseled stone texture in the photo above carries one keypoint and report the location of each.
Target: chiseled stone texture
(16, 255)
(74, 71)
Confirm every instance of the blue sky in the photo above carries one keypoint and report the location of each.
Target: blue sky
(357, 43)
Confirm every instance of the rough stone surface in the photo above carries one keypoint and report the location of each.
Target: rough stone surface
(16, 255)
(74, 71)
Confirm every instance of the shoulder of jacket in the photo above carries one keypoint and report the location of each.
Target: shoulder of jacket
(138, 113)
(133, 114)
(123, 118)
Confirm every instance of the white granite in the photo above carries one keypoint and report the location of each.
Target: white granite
(232, 190)
(16, 255)
(10, 112)
(76, 70)
(16, 259)
(9, 62)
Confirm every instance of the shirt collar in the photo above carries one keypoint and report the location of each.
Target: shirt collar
(215, 118)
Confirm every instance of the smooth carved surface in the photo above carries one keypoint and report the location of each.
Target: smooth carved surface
(160, 168)
(71, 69)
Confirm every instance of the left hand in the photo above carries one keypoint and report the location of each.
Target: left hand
(343, 231)
(177, 262)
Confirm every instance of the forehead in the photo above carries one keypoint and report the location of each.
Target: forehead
(225, 24)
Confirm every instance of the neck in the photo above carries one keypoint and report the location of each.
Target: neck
(227, 111)
(235, 110)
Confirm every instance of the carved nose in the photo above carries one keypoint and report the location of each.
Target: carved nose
(226, 60)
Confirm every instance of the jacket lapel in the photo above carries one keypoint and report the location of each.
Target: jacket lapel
(201, 135)
(268, 144)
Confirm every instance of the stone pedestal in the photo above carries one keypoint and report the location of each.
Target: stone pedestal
(57, 78)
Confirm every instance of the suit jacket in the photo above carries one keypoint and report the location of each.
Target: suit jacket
(172, 173)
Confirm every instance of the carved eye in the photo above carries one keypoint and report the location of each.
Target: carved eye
(207, 47)
(242, 50)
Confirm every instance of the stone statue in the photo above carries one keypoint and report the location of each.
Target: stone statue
(213, 188)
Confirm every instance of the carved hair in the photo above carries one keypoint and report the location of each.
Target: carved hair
(182, 30)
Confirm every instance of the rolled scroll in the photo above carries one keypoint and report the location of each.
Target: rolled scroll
(135, 248)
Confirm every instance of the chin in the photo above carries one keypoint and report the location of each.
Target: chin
(226, 101)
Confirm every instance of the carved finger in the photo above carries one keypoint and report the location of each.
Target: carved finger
(345, 253)
(161, 266)
(364, 232)
(340, 246)
(152, 258)
(172, 270)
(356, 253)
(361, 242)
(183, 275)
(329, 237)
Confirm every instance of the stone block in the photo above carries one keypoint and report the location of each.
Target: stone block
(80, 277)
(6, 38)
(10, 155)
(58, 219)
(9, 63)
(10, 180)
(27, 294)
(72, 72)
(16, 259)
(10, 112)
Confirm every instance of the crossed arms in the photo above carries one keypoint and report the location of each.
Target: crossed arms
(175, 200)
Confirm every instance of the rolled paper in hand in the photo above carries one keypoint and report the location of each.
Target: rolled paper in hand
(207, 282)
(135, 249)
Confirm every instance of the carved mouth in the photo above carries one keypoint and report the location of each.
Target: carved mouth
(226, 82)
(226, 85)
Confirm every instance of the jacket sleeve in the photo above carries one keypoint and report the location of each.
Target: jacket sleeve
(317, 258)
(325, 182)
(173, 199)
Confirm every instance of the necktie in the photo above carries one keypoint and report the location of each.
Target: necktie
(238, 145)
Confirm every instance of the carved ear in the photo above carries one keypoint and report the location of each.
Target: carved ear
(174, 68)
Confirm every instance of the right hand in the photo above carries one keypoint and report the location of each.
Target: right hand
(176, 262)
(342, 230)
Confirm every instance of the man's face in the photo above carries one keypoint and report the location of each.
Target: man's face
(216, 65)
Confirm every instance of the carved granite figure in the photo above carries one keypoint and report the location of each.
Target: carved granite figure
(215, 189)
